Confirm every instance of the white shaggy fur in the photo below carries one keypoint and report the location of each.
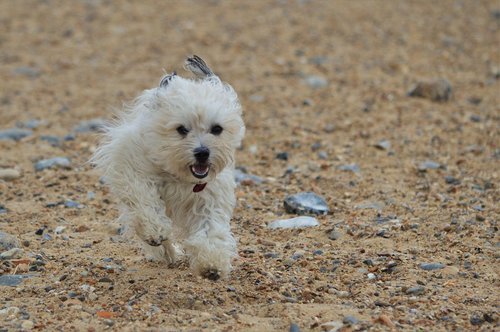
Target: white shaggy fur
(147, 161)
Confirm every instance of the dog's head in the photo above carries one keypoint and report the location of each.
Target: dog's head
(194, 125)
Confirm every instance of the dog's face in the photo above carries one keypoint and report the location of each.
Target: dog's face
(194, 128)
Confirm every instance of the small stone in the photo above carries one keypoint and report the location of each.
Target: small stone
(438, 90)
(415, 290)
(350, 320)
(105, 279)
(431, 266)
(244, 178)
(27, 325)
(60, 162)
(371, 276)
(316, 81)
(476, 320)
(323, 155)
(30, 72)
(383, 144)
(306, 203)
(429, 164)
(72, 204)
(52, 140)
(475, 118)
(334, 235)
(294, 328)
(59, 229)
(317, 252)
(12, 254)
(40, 230)
(8, 242)
(90, 126)
(282, 156)
(451, 180)
(332, 326)
(329, 128)
(271, 255)
(12, 279)
(9, 174)
(14, 134)
(349, 168)
(298, 222)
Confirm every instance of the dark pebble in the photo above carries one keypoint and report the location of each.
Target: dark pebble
(475, 118)
(306, 203)
(231, 289)
(431, 266)
(476, 320)
(451, 180)
(368, 262)
(40, 231)
(318, 252)
(105, 279)
(271, 255)
(52, 140)
(282, 156)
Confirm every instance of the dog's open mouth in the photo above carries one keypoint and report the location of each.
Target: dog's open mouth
(200, 171)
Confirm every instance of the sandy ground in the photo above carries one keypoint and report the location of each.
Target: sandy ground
(63, 62)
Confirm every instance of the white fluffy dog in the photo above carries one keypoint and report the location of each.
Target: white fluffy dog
(169, 159)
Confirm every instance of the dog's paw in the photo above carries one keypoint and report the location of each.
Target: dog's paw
(211, 274)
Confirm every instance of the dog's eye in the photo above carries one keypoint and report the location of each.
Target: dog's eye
(216, 130)
(182, 131)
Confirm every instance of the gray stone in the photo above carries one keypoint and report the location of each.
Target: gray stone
(431, 266)
(298, 222)
(429, 164)
(350, 320)
(415, 290)
(90, 125)
(350, 168)
(11, 279)
(12, 254)
(306, 203)
(240, 176)
(294, 328)
(316, 81)
(61, 162)
(52, 140)
(334, 235)
(383, 144)
(8, 242)
(30, 72)
(436, 90)
(72, 204)
(14, 134)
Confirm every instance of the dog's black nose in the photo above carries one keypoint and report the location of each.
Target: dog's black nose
(201, 154)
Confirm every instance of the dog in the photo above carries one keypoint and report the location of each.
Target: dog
(169, 159)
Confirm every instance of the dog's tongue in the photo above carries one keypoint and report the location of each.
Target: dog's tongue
(199, 187)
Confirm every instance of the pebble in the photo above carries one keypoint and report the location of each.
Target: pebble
(242, 177)
(9, 174)
(316, 81)
(436, 90)
(12, 279)
(370, 205)
(59, 229)
(332, 326)
(294, 328)
(30, 72)
(8, 242)
(62, 162)
(476, 320)
(72, 204)
(431, 266)
(415, 290)
(350, 320)
(27, 325)
(371, 276)
(350, 168)
(383, 144)
(334, 235)
(14, 134)
(323, 155)
(9, 312)
(2, 209)
(451, 180)
(429, 164)
(298, 222)
(282, 156)
(52, 140)
(12, 254)
(90, 125)
(306, 203)
(475, 118)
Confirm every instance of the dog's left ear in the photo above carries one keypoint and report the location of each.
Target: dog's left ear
(166, 79)
(197, 66)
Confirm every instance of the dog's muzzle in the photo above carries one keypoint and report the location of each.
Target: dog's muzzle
(200, 171)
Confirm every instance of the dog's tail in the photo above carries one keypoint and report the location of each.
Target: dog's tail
(197, 66)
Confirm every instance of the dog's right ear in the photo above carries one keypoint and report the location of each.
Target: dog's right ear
(166, 79)
(197, 66)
